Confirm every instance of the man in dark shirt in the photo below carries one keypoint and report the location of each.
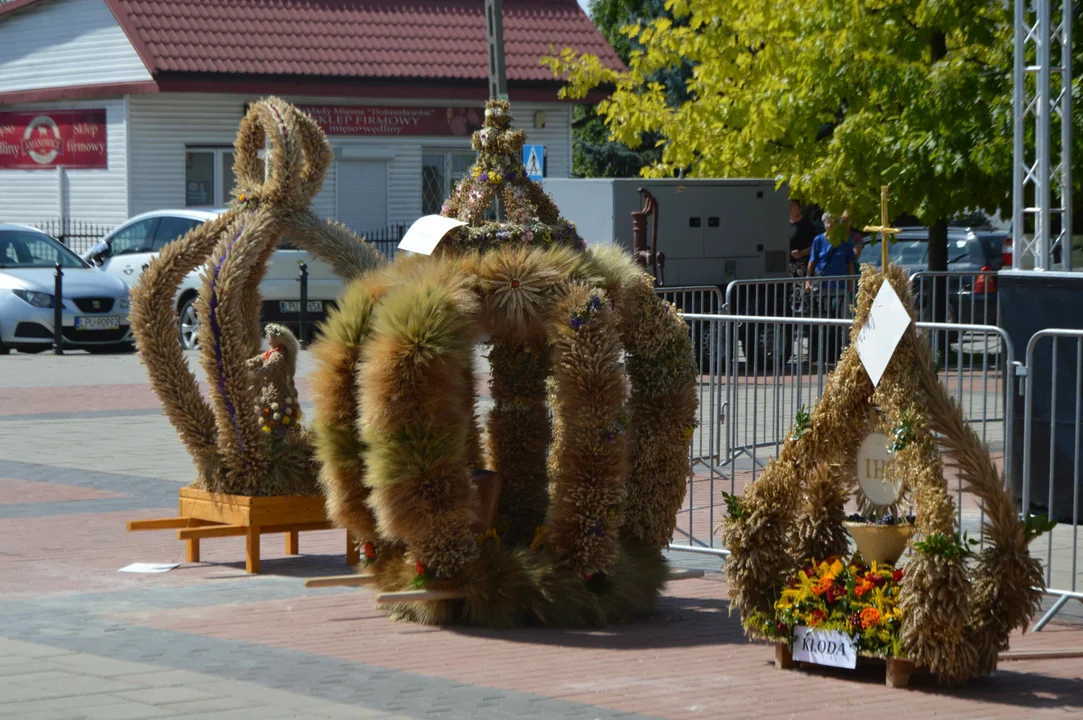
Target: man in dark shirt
(802, 233)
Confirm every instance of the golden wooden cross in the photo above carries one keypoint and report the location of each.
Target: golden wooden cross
(886, 231)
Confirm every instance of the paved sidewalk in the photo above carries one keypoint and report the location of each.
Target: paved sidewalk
(83, 449)
(47, 683)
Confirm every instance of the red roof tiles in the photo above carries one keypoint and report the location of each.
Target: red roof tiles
(377, 39)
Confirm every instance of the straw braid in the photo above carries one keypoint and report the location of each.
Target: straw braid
(154, 324)
(414, 417)
(590, 459)
(272, 196)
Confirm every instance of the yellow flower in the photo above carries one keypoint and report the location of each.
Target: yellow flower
(286, 420)
(266, 428)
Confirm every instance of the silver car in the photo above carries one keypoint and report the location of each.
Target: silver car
(94, 304)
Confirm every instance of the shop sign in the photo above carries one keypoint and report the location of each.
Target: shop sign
(403, 121)
(43, 139)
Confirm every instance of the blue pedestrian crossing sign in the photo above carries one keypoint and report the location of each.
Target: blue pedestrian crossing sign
(534, 161)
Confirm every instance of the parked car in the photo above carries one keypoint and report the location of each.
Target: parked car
(974, 254)
(94, 304)
(128, 250)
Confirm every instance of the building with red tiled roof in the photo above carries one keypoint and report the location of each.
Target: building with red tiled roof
(156, 89)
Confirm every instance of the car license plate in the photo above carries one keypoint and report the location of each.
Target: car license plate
(294, 306)
(97, 323)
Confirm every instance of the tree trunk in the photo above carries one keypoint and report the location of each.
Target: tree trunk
(938, 261)
(938, 236)
(938, 245)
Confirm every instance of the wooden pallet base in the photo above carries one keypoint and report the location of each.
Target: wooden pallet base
(204, 515)
(897, 674)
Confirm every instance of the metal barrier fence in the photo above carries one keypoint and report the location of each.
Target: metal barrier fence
(748, 405)
(968, 298)
(1060, 554)
(757, 371)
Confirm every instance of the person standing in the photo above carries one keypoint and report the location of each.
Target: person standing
(828, 260)
(802, 233)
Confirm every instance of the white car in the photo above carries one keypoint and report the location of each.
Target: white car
(127, 251)
(94, 306)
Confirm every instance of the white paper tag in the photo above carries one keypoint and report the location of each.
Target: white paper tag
(425, 234)
(148, 567)
(824, 647)
(881, 332)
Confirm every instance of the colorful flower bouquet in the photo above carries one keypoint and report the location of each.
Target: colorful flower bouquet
(853, 597)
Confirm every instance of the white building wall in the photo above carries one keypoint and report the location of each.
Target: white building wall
(65, 42)
(163, 125)
(94, 196)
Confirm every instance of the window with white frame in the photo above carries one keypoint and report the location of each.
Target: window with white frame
(208, 176)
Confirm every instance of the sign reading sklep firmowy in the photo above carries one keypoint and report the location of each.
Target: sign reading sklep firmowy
(824, 647)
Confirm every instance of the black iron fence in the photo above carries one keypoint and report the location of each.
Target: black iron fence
(79, 236)
(386, 239)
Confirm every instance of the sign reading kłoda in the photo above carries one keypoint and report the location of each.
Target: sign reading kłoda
(47, 139)
(824, 647)
(368, 120)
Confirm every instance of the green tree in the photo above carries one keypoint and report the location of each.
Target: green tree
(835, 98)
(595, 153)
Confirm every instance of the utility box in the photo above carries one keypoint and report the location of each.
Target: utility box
(711, 231)
(1030, 302)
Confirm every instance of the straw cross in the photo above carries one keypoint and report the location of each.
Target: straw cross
(886, 231)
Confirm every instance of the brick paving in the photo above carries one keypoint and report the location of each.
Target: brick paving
(83, 449)
(15, 492)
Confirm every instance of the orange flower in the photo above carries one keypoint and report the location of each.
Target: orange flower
(863, 588)
(822, 585)
(869, 617)
(816, 617)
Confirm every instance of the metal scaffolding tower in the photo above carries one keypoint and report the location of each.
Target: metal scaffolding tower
(1042, 100)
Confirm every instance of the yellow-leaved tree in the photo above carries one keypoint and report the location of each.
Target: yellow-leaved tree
(834, 97)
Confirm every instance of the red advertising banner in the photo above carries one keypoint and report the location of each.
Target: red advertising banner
(358, 120)
(43, 139)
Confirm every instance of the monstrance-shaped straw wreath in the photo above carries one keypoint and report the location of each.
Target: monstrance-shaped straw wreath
(586, 501)
(956, 611)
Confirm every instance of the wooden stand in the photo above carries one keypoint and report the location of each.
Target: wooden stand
(898, 673)
(783, 656)
(204, 515)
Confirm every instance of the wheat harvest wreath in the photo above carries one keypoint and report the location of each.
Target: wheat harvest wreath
(561, 517)
(947, 609)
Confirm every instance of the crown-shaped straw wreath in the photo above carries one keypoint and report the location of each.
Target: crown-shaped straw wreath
(572, 532)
